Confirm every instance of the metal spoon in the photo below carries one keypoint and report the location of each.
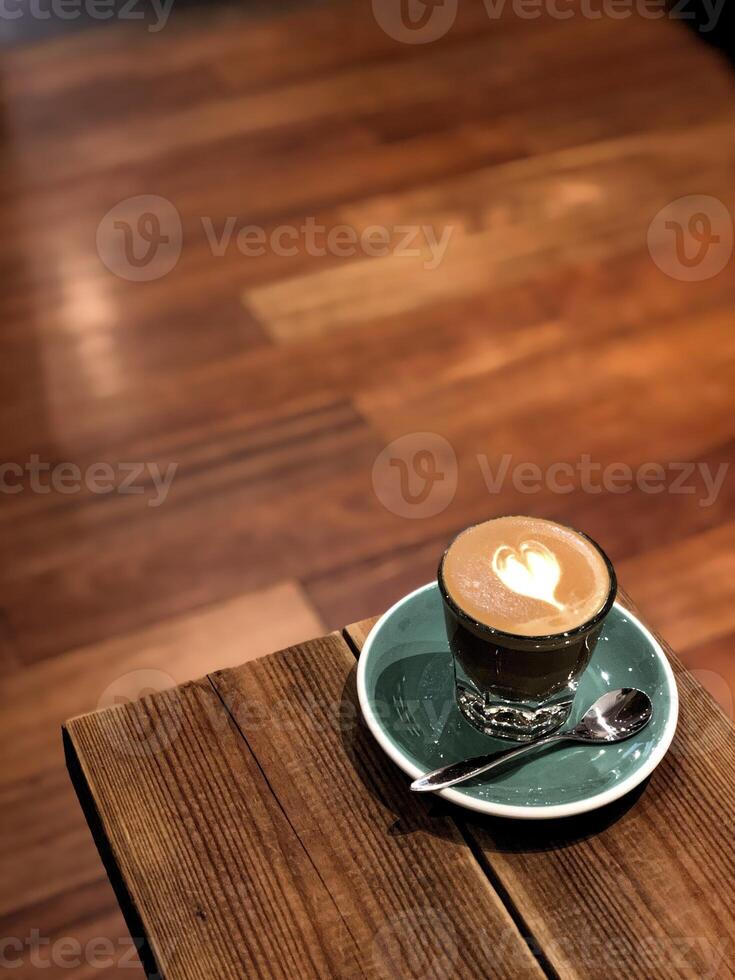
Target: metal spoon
(615, 716)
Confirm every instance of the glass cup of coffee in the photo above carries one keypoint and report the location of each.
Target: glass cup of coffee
(524, 603)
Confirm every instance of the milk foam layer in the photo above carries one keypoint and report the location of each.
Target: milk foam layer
(526, 575)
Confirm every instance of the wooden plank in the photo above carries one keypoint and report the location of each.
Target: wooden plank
(528, 398)
(271, 839)
(203, 858)
(571, 205)
(711, 663)
(9, 653)
(696, 594)
(643, 887)
(41, 821)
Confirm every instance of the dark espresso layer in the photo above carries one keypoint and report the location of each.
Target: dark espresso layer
(526, 575)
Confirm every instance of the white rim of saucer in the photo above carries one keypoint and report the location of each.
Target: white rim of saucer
(506, 809)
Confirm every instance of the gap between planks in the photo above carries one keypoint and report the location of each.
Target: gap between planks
(496, 883)
(283, 810)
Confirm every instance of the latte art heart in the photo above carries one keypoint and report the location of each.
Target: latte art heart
(531, 570)
(526, 576)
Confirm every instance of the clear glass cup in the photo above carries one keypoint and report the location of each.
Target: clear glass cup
(519, 687)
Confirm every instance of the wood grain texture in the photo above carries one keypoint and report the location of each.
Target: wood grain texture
(215, 874)
(645, 885)
(272, 839)
(274, 382)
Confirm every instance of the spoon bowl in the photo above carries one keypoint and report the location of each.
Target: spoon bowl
(615, 716)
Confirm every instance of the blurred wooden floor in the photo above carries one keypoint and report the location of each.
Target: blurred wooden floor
(274, 383)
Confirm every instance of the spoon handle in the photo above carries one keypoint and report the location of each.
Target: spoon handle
(458, 772)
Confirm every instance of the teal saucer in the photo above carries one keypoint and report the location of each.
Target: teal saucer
(406, 688)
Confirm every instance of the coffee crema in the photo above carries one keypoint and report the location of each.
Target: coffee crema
(526, 575)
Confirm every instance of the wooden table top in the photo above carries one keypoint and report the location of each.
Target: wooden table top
(251, 826)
